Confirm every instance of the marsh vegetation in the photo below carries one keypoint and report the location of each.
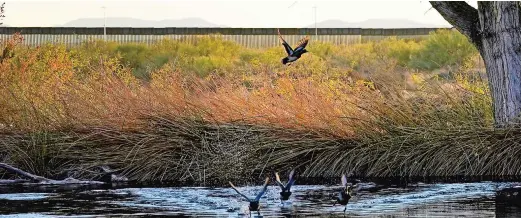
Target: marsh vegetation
(211, 111)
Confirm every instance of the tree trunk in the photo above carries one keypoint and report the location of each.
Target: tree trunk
(501, 48)
(494, 28)
(34, 179)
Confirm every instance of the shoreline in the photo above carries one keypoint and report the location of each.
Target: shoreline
(201, 158)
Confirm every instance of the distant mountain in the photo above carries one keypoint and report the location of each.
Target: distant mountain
(375, 23)
(132, 22)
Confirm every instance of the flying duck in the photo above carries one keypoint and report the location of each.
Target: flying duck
(345, 194)
(293, 54)
(285, 189)
(254, 203)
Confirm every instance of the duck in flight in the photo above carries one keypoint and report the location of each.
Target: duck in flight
(254, 203)
(345, 194)
(293, 54)
(285, 189)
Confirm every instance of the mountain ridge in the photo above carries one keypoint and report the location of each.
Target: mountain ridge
(198, 22)
(135, 22)
(375, 23)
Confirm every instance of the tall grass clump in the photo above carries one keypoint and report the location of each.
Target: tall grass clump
(210, 109)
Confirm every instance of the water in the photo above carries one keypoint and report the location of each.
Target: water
(418, 200)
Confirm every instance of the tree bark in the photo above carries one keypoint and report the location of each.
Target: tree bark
(501, 38)
(34, 179)
(494, 28)
(15, 170)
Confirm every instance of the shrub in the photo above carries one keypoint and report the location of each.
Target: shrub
(442, 48)
(172, 101)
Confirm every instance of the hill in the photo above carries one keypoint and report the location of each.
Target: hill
(133, 22)
(375, 23)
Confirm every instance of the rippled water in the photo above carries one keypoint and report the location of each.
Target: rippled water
(419, 200)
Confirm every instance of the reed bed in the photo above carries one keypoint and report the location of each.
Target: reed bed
(213, 111)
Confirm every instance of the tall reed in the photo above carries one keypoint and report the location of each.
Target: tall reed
(215, 110)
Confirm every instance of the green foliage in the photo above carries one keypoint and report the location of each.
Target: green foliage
(322, 49)
(442, 48)
(398, 49)
(207, 55)
(376, 98)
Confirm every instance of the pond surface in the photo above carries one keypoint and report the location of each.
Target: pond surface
(416, 200)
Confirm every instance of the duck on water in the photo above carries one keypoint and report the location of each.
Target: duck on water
(346, 193)
(285, 189)
(254, 204)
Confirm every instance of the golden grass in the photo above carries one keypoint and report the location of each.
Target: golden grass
(214, 110)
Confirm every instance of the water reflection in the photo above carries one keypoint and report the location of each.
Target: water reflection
(419, 200)
(508, 202)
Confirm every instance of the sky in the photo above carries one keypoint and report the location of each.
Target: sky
(244, 13)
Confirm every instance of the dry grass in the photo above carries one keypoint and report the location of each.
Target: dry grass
(192, 115)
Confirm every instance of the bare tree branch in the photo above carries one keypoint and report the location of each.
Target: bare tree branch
(462, 16)
(15, 170)
(14, 181)
(38, 179)
(2, 13)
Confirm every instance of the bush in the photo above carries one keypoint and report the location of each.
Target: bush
(174, 99)
(442, 48)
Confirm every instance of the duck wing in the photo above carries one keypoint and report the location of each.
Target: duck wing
(277, 180)
(288, 48)
(302, 44)
(291, 180)
(344, 180)
(235, 188)
(264, 188)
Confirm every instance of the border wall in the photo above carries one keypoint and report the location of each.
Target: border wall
(248, 37)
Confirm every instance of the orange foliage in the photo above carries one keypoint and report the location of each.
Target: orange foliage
(53, 88)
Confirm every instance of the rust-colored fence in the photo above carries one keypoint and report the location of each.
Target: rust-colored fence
(249, 37)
